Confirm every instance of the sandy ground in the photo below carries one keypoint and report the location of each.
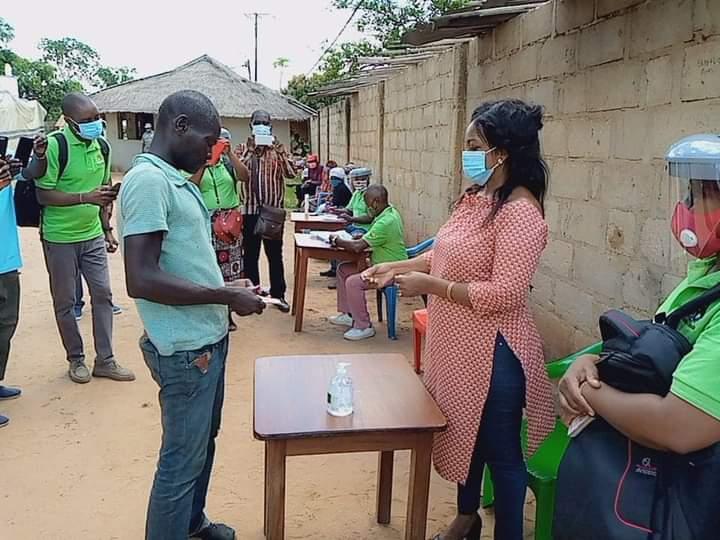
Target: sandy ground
(77, 461)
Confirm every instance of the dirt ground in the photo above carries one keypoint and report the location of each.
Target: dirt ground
(76, 461)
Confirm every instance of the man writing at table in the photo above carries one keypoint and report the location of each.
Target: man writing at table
(386, 239)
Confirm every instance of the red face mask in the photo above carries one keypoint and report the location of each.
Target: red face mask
(697, 232)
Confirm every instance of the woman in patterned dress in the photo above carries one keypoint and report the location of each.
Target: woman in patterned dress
(484, 356)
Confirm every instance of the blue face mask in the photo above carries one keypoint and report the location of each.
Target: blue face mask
(336, 181)
(91, 130)
(261, 129)
(475, 166)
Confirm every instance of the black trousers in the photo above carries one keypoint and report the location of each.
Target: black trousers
(251, 257)
(302, 189)
(9, 313)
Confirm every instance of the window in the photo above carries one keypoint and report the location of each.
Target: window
(132, 125)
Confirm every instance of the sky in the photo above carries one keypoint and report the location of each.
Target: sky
(158, 35)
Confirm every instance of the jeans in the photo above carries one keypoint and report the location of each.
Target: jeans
(498, 446)
(192, 389)
(351, 295)
(251, 257)
(65, 262)
(9, 313)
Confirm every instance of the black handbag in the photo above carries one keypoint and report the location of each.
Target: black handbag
(271, 220)
(611, 488)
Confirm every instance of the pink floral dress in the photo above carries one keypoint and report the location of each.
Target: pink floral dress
(498, 260)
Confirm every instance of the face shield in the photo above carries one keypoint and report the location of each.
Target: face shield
(694, 169)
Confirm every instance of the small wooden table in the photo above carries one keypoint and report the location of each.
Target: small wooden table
(316, 223)
(393, 411)
(308, 248)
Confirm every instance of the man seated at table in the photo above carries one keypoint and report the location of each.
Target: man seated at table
(355, 212)
(386, 239)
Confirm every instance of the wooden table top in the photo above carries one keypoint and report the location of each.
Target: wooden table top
(322, 218)
(291, 397)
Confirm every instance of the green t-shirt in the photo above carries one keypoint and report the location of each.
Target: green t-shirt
(697, 378)
(86, 171)
(386, 237)
(218, 177)
(358, 208)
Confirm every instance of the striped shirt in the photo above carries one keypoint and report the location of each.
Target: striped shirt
(268, 170)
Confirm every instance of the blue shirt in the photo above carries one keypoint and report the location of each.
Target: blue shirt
(157, 197)
(10, 259)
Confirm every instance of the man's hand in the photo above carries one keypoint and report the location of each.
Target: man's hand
(40, 145)
(583, 370)
(243, 301)
(111, 243)
(102, 196)
(4, 171)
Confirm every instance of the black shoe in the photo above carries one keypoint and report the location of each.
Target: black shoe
(283, 305)
(6, 392)
(215, 531)
(328, 273)
(4, 421)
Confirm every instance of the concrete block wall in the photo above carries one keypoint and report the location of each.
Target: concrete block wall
(620, 80)
(365, 123)
(338, 142)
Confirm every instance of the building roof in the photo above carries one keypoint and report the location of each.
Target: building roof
(233, 95)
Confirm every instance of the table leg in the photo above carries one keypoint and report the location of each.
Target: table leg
(295, 281)
(419, 489)
(302, 285)
(384, 487)
(266, 493)
(275, 490)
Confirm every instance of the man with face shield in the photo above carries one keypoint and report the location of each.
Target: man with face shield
(687, 419)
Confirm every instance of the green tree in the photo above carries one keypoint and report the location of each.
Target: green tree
(7, 33)
(73, 59)
(109, 76)
(388, 20)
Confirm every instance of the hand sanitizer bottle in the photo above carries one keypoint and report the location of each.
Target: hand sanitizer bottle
(340, 392)
(306, 204)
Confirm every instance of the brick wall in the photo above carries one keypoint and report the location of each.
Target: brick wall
(620, 81)
(338, 133)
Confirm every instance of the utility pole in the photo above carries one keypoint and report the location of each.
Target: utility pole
(256, 16)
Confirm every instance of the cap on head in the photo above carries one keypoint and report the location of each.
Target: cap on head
(360, 172)
(337, 172)
(225, 134)
(313, 158)
(148, 126)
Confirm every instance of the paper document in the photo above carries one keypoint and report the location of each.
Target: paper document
(324, 236)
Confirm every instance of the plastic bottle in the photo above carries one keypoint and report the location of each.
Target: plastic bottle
(306, 205)
(340, 392)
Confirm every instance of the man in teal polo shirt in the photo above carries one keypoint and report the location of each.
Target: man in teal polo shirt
(183, 303)
(76, 235)
(10, 264)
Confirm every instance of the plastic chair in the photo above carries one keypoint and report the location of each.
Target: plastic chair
(544, 464)
(420, 318)
(391, 291)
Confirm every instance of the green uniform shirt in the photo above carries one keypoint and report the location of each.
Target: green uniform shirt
(86, 171)
(697, 378)
(219, 178)
(358, 208)
(386, 237)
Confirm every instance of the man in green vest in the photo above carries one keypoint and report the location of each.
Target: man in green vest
(75, 191)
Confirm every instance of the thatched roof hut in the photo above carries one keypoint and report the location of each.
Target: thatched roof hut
(233, 95)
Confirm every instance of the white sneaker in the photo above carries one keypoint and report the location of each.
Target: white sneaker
(357, 334)
(342, 319)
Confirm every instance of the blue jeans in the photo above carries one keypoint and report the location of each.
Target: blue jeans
(498, 446)
(192, 388)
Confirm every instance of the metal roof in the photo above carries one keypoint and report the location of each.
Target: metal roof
(427, 40)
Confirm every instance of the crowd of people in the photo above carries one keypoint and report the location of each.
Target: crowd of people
(191, 198)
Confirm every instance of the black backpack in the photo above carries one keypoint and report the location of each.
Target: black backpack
(612, 488)
(28, 211)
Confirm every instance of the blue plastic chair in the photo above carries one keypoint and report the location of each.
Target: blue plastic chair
(391, 291)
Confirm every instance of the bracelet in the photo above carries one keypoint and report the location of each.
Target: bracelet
(449, 290)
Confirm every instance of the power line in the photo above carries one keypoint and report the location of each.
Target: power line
(256, 16)
(334, 41)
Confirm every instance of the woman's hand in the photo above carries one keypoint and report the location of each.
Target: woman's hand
(413, 283)
(379, 276)
(583, 370)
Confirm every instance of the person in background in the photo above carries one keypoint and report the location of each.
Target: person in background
(341, 194)
(10, 264)
(220, 192)
(183, 304)
(312, 182)
(386, 239)
(484, 355)
(269, 166)
(147, 137)
(326, 185)
(76, 235)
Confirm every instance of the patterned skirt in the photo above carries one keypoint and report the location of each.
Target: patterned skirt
(229, 256)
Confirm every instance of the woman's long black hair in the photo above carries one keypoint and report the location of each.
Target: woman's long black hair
(514, 126)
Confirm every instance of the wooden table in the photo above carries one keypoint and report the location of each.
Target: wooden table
(316, 223)
(308, 248)
(393, 411)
